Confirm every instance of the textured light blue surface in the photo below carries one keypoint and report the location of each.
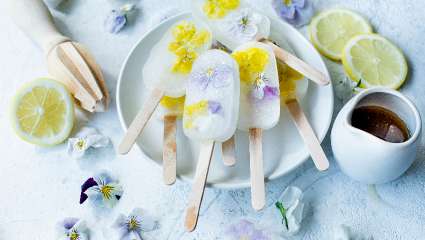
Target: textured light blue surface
(41, 186)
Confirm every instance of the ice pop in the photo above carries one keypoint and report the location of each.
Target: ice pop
(292, 87)
(170, 109)
(210, 115)
(234, 22)
(167, 69)
(259, 106)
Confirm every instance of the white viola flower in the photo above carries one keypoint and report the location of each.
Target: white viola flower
(343, 232)
(102, 190)
(132, 227)
(72, 229)
(243, 24)
(85, 139)
(345, 89)
(288, 213)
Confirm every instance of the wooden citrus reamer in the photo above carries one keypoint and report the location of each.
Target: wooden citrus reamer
(68, 61)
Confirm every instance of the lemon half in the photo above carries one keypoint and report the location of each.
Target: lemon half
(42, 112)
(330, 31)
(375, 61)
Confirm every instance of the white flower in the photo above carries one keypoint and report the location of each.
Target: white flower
(85, 139)
(345, 89)
(288, 213)
(343, 232)
(243, 24)
(72, 229)
(102, 190)
(132, 227)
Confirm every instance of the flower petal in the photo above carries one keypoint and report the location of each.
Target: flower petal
(86, 185)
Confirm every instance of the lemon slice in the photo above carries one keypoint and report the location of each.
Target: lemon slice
(374, 60)
(330, 31)
(43, 112)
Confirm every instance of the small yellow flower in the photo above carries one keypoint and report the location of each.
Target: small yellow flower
(219, 8)
(174, 104)
(186, 41)
(194, 110)
(252, 61)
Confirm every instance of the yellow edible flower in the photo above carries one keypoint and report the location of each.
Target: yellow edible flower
(219, 8)
(288, 78)
(173, 103)
(194, 110)
(252, 62)
(186, 40)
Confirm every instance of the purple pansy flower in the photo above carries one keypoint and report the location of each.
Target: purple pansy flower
(117, 18)
(132, 227)
(72, 229)
(245, 229)
(262, 91)
(295, 12)
(270, 92)
(218, 76)
(102, 190)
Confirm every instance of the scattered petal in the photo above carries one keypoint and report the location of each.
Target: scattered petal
(246, 230)
(295, 12)
(85, 139)
(132, 227)
(117, 18)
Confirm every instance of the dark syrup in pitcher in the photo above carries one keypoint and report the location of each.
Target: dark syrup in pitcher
(380, 122)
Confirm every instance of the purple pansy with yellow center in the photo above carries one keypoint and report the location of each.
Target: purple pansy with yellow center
(102, 190)
(262, 91)
(132, 227)
(217, 77)
(295, 12)
(72, 229)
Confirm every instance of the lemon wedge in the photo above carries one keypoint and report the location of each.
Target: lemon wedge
(330, 31)
(375, 61)
(42, 112)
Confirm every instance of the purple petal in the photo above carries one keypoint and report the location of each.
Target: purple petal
(115, 21)
(199, 80)
(68, 223)
(298, 3)
(86, 185)
(221, 76)
(214, 107)
(270, 92)
(288, 13)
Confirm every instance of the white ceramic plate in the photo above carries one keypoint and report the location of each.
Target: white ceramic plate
(283, 147)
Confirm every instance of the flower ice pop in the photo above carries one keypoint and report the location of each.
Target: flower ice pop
(167, 69)
(210, 114)
(259, 106)
(170, 110)
(234, 22)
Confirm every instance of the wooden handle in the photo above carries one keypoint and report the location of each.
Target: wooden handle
(198, 187)
(34, 18)
(169, 150)
(308, 135)
(299, 65)
(229, 154)
(139, 122)
(258, 194)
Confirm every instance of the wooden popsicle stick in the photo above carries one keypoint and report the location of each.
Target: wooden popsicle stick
(139, 122)
(229, 154)
(308, 135)
(258, 194)
(298, 64)
(169, 150)
(195, 199)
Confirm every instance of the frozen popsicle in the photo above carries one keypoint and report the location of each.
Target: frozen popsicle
(170, 109)
(259, 106)
(234, 22)
(210, 115)
(167, 69)
(292, 87)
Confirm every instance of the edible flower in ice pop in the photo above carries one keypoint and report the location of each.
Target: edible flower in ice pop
(173, 106)
(201, 108)
(186, 40)
(288, 78)
(219, 8)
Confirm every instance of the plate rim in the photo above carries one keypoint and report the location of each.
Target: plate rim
(238, 185)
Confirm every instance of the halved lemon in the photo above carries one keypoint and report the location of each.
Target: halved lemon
(330, 31)
(42, 112)
(375, 61)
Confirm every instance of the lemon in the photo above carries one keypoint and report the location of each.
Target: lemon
(42, 112)
(375, 61)
(330, 31)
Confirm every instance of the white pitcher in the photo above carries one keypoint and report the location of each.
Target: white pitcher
(365, 157)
